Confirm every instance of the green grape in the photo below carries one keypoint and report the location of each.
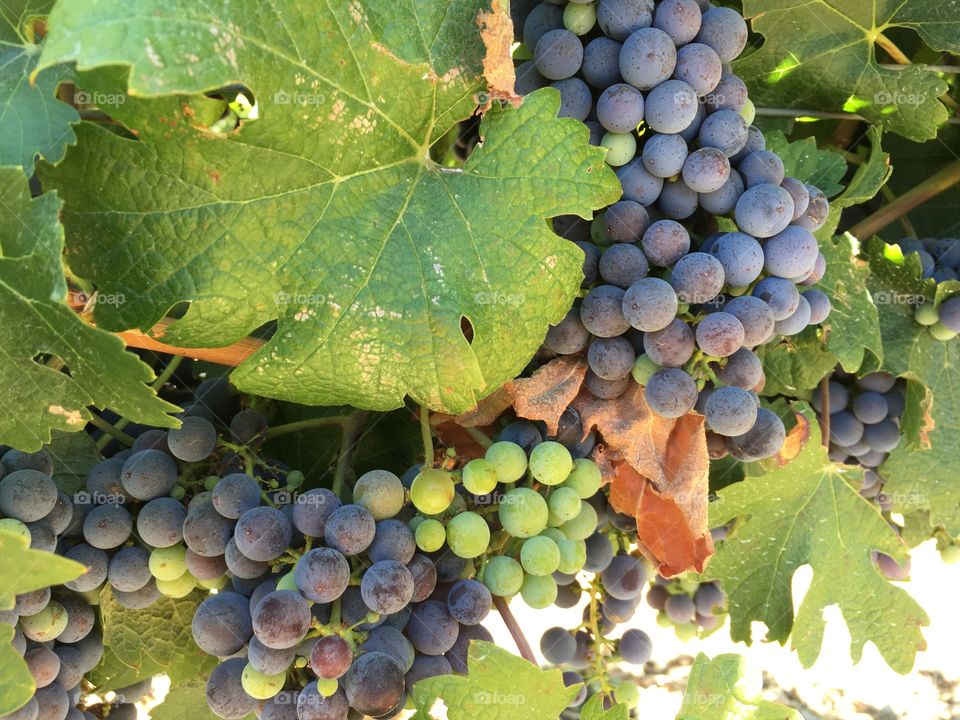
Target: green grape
(580, 19)
(430, 535)
(663, 621)
(550, 463)
(539, 555)
(259, 685)
(508, 459)
(468, 535)
(627, 693)
(215, 584)
(749, 112)
(47, 624)
(583, 525)
(210, 482)
(686, 632)
(168, 563)
(91, 597)
(553, 534)
(573, 556)
(926, 314)
(643, 368)
(287, 582)
(538, 591)
(689, 584)
(480, 476)
(15, 527)
(950, 554)
(327, 686)
(621, 147)
(523, 512)
(503, 576)
(432, 491)
(585, 478)
(414, 522)
(942, 332)
(564, 504)
(380, 492)
(295, 479)
(178, 587)
(178, 493)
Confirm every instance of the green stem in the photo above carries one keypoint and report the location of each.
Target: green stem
(310, 423)
(514, 627)
(110, 430)
(478, 437)
(352, 428)
(335, 613)
(426, 436)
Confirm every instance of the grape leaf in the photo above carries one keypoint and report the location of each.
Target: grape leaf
(498, 686)
(326, 213)
(16, 683)
(796, 365)
(73, 456)
(803, 160)
(187, 700)
(801, 509)
(33, 121)
(547, 393)
(724, 687)
(142, 643)
(593, 710)
(35, 322)
(821, 54)
(24, 569)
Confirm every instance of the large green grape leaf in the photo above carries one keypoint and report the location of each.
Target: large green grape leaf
(16, 683)
(326, 213)
(498, 686)
(36, 323)
(723, 688)
(807, 511)
(803, 160)
(821, 54)
(32, 121)
(796, 365)
(24, 569)
(593, 710)
(155, 641)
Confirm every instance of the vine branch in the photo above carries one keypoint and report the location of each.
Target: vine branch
(427, 436)
(352, 427)
(932, 186)
(514, 627)
(825, 413)
(308, 424)
(478, 437)
(115, 433)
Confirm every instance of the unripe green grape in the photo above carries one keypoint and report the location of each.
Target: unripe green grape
(430, 535)
(643, 369)
(585, 478)
(950, 554)
(539, 555)
(538, 591)
(749, 112)
(564, 504)
(45, 625)
(214, 584)
(621, 148)
(926, 314)
(689, 584)
(432, 491)
(380, 492)
(480, 476)
(503, 576)
(178, 587)
(627, 693)
(508, 459)
(550, 463)
(573, 556)
(686, 631)
(168, 563)
(663, 621)
(468, 535)
(15, 527)
(583, 525)
(295, 479)
(942, 332)
(553, 534)
(178, 493)
(327, 686)
(414, 522)
(260, 686)
(523, 512)
(579, 18)
(210, 482)
(287, 582)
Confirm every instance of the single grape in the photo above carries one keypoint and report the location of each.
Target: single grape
(720, 334)
(763, 440)
(671, 106)
(480, 476)
(432, 491)
(393, 540)
(819, 305)
(261, 686)
(623, 264)
(311, 510)
(234, 494)
(709, 599)
(542, 18)
(44, 665)
(680, 608)
(431, 628)
(725, 30)
(670, 347)
(27, 495)
(263, 533)
(601, 62)
(620, 18)
(697, 278)
(538, 591)
(424, 573)
(883, 436)
(350, 528)
(558, 54)
(193, 441)
(677, 201)
(731, 411)
(764, 210)
(374, 686)
(741, 257)
(567, 337)
(621, 148)
(624, 578)
(107, 526)
(550, 462)
(638, 184)
(148, 474)
(818, 210)
(468, 535)
(267, 660)
(41, 461)
(723, 200)
(392, 643)
(503, 576)
(380, 492)
(797, 321)
(663, 156)
(523, 512)
(579, 18)
(313, 705)
(160, 522)
(626, 221)
(780, 295)
(584, 478)
(620, 108)
(45, 625)
(650, 305)
(563, 505)
(599, 553)
(129, 569)
(700, 67)
(281, 619)
(469, 601)
(205, 531)
(648, 58)
(790, 253)
(680, 19)
(763, 166)
(53, 702)
(730, 94)
(635, 647)
(539, 555)
(222, 624)
(80, 619)
(248, 427)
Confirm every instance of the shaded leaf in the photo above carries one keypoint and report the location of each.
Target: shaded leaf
(803, 160)
(796, 365)
(549, 391)
(73, 456)
(723, 688)
(487, 410)
(809, 512)
(16, 682)
(326, 213)
(24, 569)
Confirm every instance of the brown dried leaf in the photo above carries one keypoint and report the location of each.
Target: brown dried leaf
(928, 424)
(795, 441)
(664, 532)
(549, 391)
(487, 410)
(496, 31)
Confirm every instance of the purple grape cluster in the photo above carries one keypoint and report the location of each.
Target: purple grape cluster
(939, 260)
(672, 302)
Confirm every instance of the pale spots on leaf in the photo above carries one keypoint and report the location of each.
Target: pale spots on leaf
(152, 55)
(73, 417)
(438, 711)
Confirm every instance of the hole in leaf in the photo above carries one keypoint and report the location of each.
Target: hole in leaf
(466, 327)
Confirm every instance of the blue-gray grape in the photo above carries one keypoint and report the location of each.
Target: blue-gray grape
(740, 255)
(601, 62)
(780, 295)
(558, 54)
(107, 526)
(431, 628)
(160, 522)
(576, 101)
(663, 155)
(680, 19)
(648, 58)
(129, 569)
(622, 264)
(569, 335)
(723, 200)
(557, 646)
(697, 278)
(672, 346)
(699, 66)
(148, 474)
(764, 210)
(350, 529)
(234, 494)
(626, 221)
(720, 334)
(193, 441)
(27, 495)
(601, 311)
(225, 695)
(671, 106)
(281, 619)
(724, 30)
(386, 587)
(635, 647)
(638, 184)
(621, 18)
(222, 624)
(671, 392)
(731, 411)
(620, 108)
(706, 170)
(611, 358)
(469, 601)
(262, 533)
(665, 242)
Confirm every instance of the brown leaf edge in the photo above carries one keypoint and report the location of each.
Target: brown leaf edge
(496, 31)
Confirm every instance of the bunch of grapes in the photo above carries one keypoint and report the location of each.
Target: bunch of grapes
(940, 260)
(671, 303)
(55, 630)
